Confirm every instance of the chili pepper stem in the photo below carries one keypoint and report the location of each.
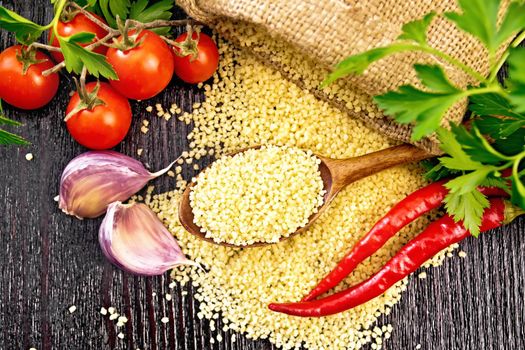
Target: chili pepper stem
(511, 212)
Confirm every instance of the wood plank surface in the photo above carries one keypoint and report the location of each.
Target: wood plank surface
(50, 261)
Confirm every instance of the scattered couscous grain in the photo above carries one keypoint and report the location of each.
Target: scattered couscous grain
(170, 173)
(29, 156)
(72, 309)
(253, 104)
(139, 152)
(103, 311)
(259, 195)
(145, 122)
(113, 316)
(164, 319)
(120, 335)
(168, 297)
(462, 254)
(149, 109)
(422, 275)
(144, 129)
(111, 310)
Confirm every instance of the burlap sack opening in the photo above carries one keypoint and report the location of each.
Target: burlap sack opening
(319, 34)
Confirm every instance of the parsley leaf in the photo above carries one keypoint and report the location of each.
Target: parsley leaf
(457, 158)
(7, 138)
(112, 9)
(417, 30)
(513, 144)
(513, 22)
(518, 189)
(468, 207)
(81, 38)
(409, 104)
(498, 128)
(476, 146)
(25, 30)
(492, 104)
(141, 12)
(516, 81)
(76, 57)
(479, 18)
(159, 10)
(435, 171)
(357, 64)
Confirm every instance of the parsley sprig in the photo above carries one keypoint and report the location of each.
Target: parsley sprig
(6, 137)
(490, 151)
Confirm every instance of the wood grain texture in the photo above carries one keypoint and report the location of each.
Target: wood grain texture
(49, 261)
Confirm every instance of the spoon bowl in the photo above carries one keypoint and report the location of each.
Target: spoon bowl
(336, 174)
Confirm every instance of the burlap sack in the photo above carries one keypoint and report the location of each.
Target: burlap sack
(327, 31)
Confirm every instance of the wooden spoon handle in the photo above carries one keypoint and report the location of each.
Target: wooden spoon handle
(346, 171)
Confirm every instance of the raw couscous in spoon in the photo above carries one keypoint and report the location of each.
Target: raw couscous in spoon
(336, 175)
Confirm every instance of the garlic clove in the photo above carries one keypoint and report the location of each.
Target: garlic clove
(94, 179)
(134, 239)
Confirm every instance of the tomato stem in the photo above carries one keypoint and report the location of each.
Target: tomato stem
(189, 47)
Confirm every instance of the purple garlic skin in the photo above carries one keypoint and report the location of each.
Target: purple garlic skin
(93, 180)
(134, 239)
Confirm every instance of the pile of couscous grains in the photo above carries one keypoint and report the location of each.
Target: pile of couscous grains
(249, 104)
(258, 195)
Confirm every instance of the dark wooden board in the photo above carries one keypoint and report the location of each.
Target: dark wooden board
(49, 261)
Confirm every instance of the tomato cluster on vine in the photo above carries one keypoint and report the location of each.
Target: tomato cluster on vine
(99, 114)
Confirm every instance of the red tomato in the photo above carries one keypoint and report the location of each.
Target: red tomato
(103, 126)
(143, 71)
(30, 90)
(201, 68)
(80, 23)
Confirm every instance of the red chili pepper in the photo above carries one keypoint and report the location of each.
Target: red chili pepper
(410, 208)
(436, 237)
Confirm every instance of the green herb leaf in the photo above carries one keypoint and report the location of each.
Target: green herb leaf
(435, 171)
(468, 207)
(434, 78)
(513, 22)
(25, 30)
(498, 128)
(409, 104)
(516, 81)
(76, 57)
(357, 64)
(158, 10)
(493, 104)
(518, 189)
(81, 38)
(476, 146)
(417, 30)
(141, 12)
(112, 9)
(512, 144)
(479, 18)
(457, 158)
(7, 138)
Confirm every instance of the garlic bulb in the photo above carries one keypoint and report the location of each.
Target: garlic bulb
(94, 179)
(134, 239)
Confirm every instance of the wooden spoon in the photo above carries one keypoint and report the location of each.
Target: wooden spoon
(336, 175)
